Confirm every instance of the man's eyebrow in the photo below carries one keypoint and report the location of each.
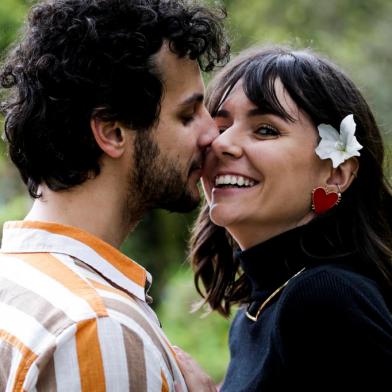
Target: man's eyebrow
(192, 100)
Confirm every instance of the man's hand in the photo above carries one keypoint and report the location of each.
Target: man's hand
(195, 377)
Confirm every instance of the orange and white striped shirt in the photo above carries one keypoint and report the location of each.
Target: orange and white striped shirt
(74, 317)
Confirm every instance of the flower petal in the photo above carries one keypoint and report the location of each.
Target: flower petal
(327, 132)
(337, 157)
(325, 148)
(352, 152)
(354, 145)
(347, 129)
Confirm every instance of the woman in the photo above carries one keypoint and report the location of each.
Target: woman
(296, 229)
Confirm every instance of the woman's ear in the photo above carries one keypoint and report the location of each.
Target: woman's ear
(344, 174)
(109, 135)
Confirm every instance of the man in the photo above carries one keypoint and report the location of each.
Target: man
(106, 121)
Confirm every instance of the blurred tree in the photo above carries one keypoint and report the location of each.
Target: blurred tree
(13, 200)
(158, 243)
(12, 13)
(204, 337)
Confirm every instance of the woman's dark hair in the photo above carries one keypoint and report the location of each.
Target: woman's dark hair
(360, 223)
(84, 58)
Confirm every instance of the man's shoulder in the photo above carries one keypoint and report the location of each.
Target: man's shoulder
(59, 291)
(49, 282)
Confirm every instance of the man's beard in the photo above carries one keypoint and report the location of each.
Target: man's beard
(155, 181)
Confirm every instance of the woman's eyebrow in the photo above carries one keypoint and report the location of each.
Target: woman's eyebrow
(257, 112)
(250, 113)
(269, 112)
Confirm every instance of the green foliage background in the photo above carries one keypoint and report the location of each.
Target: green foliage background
(355, 34)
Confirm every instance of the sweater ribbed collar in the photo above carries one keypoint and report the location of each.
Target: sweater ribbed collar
(271, 263)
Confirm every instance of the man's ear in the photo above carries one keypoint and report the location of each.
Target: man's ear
(344, 174)
(109, 135)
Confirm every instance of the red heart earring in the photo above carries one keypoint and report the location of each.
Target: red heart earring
(323, 200)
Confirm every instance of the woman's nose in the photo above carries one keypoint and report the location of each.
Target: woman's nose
(227, 145)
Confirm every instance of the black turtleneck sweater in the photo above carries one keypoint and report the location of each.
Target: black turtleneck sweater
(328, 329)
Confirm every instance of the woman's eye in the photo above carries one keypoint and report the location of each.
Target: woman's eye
(267, 132)
(221, 125)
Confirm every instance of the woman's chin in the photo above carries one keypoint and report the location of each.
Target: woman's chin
(220, 217)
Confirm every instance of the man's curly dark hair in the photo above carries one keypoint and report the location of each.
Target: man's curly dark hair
(84, 58)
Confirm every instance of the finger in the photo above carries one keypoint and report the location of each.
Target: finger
(177, 387)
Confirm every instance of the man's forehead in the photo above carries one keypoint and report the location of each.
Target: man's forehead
(179, 75)
(166, 57)
(166, 60)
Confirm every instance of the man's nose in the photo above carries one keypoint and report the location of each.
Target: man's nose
(209, 130)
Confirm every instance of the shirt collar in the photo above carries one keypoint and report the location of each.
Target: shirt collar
(39, 237)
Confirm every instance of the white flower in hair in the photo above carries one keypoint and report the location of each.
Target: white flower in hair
(338, 146)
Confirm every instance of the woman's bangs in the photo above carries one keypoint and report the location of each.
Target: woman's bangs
(259, 87)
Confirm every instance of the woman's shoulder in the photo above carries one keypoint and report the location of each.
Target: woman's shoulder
(332, 318)
(333, 288)
(333, 279)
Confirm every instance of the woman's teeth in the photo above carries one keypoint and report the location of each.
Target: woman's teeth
(238, 181)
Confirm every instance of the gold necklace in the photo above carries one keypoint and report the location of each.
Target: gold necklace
(264, 304)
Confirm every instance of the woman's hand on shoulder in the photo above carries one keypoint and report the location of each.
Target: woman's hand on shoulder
(197, 380)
